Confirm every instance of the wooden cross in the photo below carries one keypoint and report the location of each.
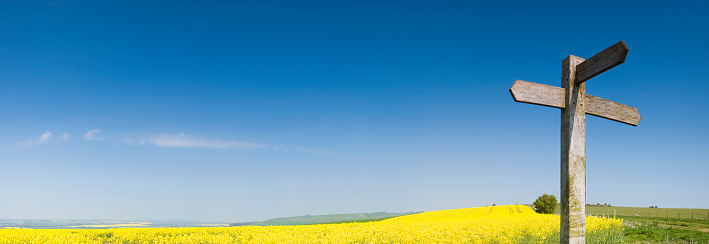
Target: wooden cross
(574, 103)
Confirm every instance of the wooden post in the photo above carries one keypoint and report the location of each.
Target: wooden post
(573, 155)
(574, 103)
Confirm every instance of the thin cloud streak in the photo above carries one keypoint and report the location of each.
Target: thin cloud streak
(181, 140)
(176, 141)
(306, 150)
(166, 140)
(316, 151)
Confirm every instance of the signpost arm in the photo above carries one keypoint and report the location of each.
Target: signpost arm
(573, 155)
(611, 110)
(599, 63)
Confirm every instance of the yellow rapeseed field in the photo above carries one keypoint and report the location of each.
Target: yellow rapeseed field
(499, 224)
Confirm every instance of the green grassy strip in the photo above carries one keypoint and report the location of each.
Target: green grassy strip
(695, 224)
(656, 234)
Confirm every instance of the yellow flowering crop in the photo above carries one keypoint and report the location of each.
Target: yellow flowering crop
(499, 224)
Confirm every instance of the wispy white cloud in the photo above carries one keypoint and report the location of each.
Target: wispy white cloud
(306, 150)
(128, 141)
(91, 135)
(174, 140)
(44, 138)
(167, 140)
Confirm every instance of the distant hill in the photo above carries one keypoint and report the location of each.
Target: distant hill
(103, 223)
(318, 219)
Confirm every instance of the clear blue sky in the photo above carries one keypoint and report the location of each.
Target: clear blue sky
(251, 110)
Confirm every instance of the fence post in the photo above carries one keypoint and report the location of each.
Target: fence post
(614, 213)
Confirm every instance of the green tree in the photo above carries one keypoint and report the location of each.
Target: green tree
(546, 204)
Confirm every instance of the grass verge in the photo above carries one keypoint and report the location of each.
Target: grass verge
(664, 230)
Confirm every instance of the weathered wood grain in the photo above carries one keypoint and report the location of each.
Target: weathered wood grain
(538, 94)
(607, 109)
(599, 63)
(573, 155)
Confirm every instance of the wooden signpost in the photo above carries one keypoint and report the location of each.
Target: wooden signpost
(574, 103)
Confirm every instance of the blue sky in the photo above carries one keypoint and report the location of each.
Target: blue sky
(250, 110)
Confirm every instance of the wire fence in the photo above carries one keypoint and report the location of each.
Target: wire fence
(698, 215)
